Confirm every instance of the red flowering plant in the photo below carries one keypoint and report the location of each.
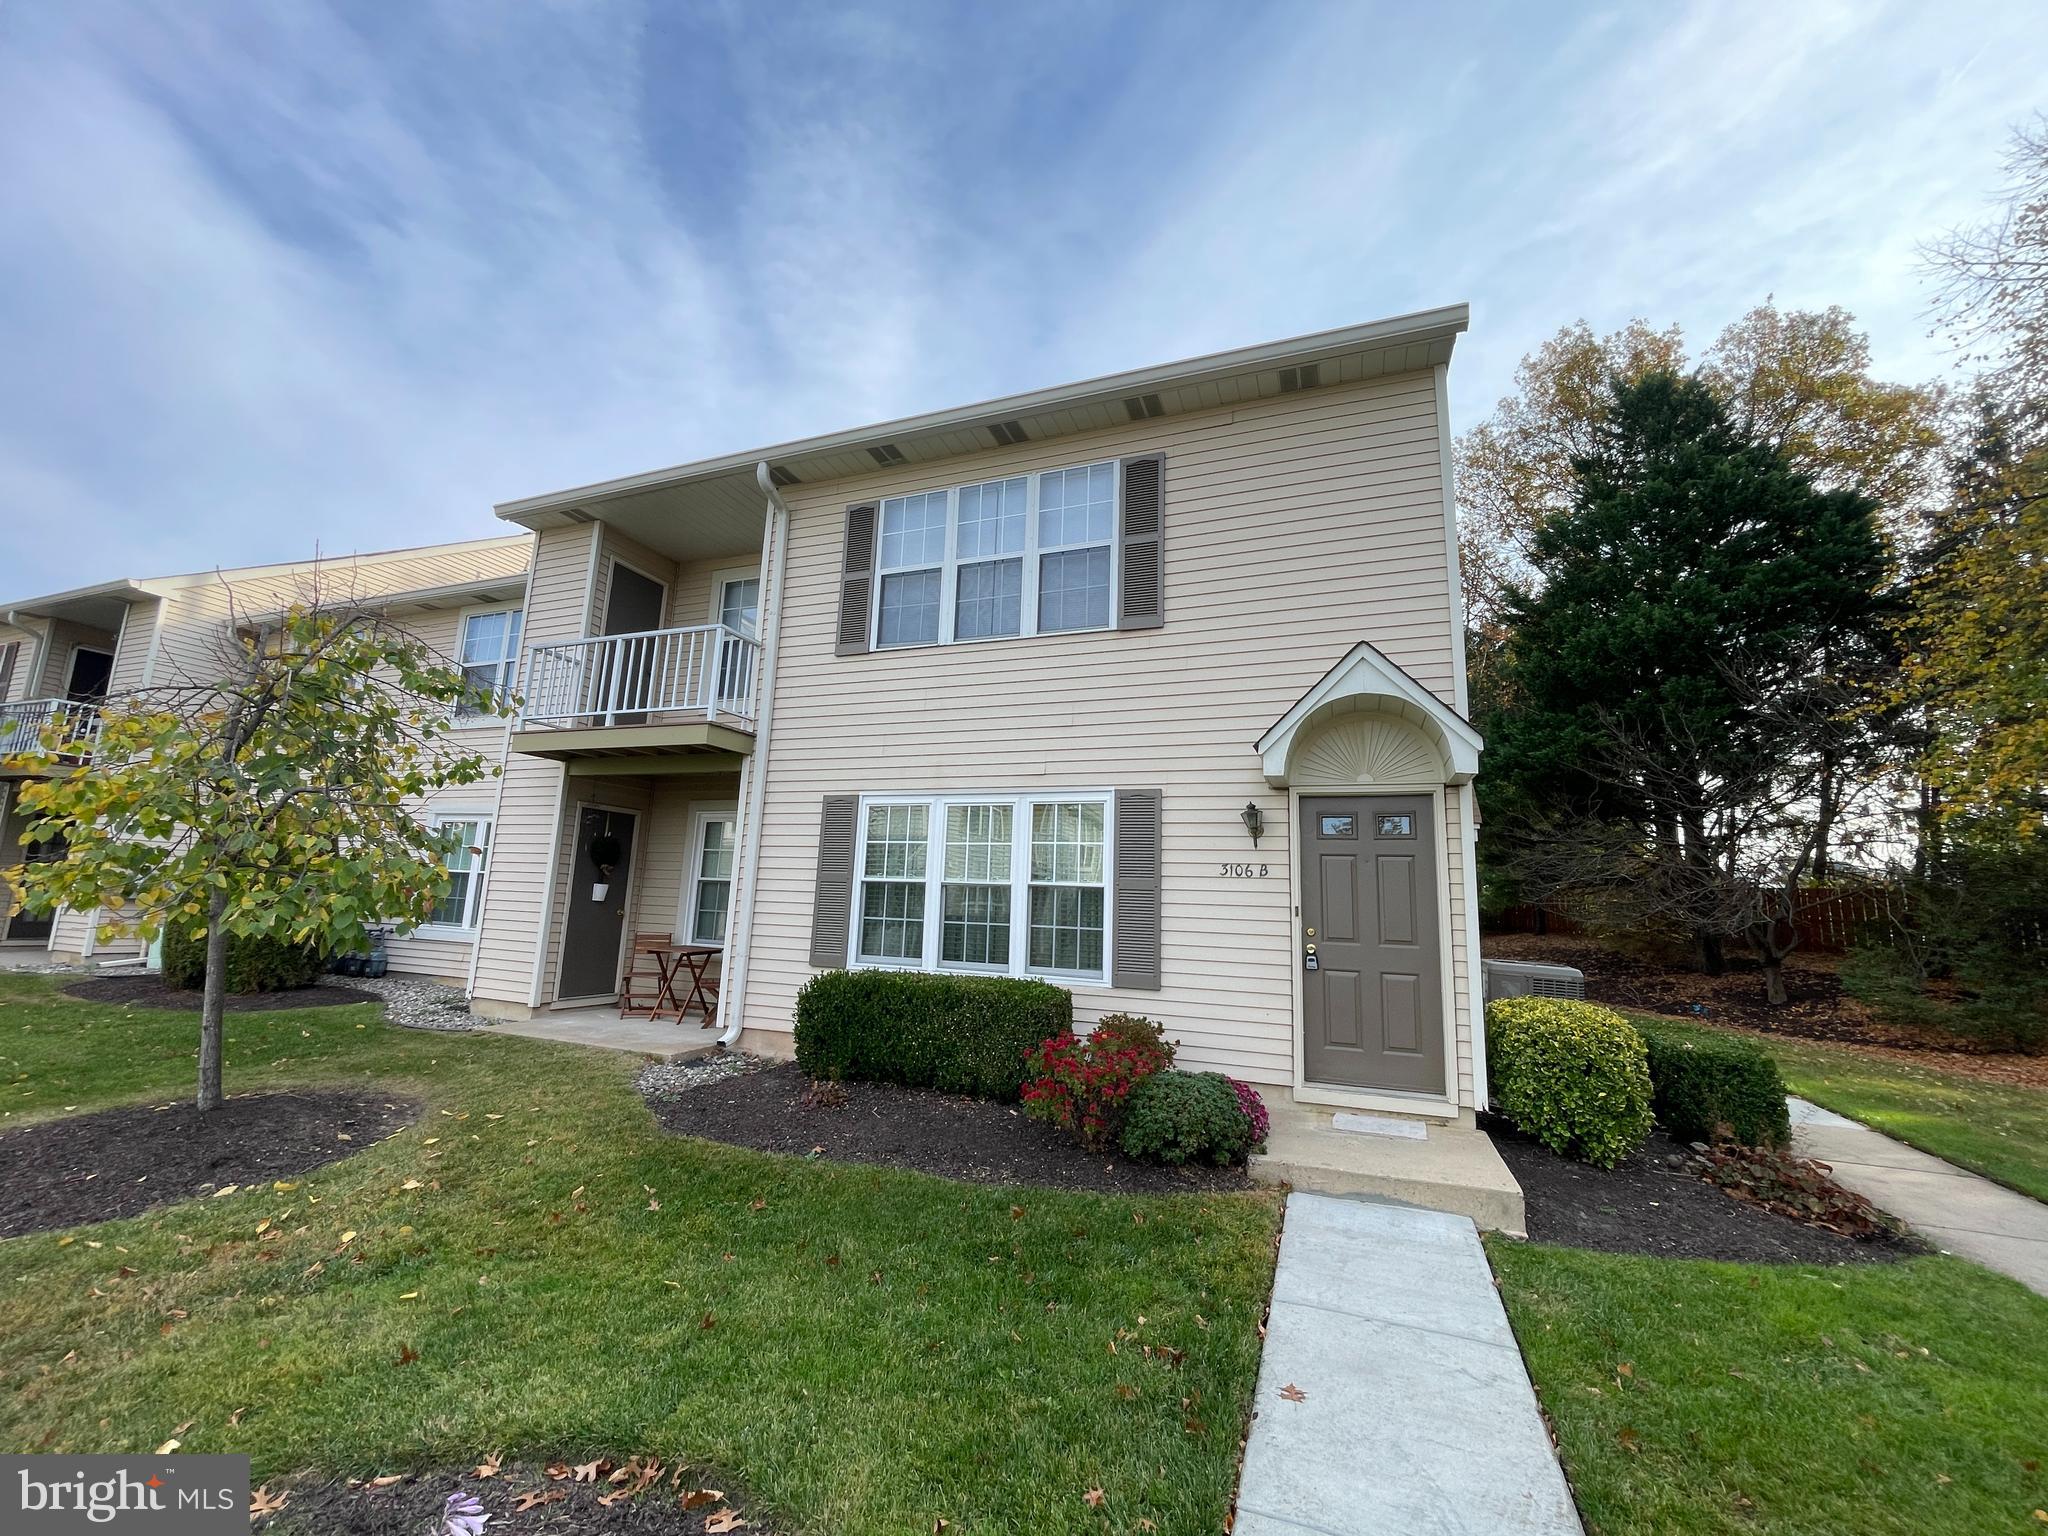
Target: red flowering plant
(1253, 1108)
(1082, 1083)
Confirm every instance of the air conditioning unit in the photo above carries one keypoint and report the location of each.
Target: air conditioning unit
(1527, 978)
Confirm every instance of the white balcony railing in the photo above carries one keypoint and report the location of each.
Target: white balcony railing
(705, 671)
(22, 726)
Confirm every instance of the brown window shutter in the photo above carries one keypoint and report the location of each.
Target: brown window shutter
(856, 580)
(1142, 590)
(832, 903)
(1134, 960)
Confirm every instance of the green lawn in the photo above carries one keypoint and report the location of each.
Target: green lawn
(1694, 1398)
(1998, 1129)
(861, 1351)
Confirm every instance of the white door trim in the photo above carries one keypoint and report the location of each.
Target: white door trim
(1443, 1105)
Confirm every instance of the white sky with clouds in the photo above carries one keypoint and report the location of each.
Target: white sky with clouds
(274, 275)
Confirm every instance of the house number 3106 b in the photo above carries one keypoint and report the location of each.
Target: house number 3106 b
(1246, 871)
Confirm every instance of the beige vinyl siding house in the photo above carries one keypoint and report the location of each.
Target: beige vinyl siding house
(1006, 721)
(163, 632)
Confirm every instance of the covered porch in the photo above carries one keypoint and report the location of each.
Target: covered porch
(642, 875)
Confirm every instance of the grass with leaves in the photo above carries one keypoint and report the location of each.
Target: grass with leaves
(1698, 1399)
(535, 1268)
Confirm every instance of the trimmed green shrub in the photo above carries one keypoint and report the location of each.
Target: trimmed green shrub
(1699, 1085)
(958, 1034)
(1575, 1076)
(254, 964)
(1186, 1117)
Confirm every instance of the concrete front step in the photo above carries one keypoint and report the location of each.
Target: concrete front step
(1450, 1168)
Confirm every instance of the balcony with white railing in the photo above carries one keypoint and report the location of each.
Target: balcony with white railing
(24, 726)
(705, 675)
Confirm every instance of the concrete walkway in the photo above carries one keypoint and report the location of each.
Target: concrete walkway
(1392, 1398)
(1957, 1211)
(603, 1029)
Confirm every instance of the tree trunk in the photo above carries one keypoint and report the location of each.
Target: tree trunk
(214, 1001)
(1774, 982)
(1829, 808)
(1709, 951)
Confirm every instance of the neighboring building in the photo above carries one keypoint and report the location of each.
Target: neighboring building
(1001, 690)
(71, 651)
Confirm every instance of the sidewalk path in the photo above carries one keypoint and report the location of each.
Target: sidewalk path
(1955, 1210)
(1392, 1398)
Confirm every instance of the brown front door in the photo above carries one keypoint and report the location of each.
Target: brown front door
(593, 932)
(1372, 977)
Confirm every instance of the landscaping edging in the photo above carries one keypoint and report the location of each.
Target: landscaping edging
(560, 1498)
(942, 1134)
(1651, 1203)
(125, 1161)
(149, 990)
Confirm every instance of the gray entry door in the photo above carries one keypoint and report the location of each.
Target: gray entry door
(595, 927)
(1372, 1006)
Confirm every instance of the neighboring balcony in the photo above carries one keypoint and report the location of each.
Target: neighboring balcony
(662, 692)
(23, 727)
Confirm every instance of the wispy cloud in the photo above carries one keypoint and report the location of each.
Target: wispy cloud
(350, 273)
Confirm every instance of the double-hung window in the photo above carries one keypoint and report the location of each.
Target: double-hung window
(490, 658)
(1025, 555)
(710, 903)
(464, 854)
(1012, 885)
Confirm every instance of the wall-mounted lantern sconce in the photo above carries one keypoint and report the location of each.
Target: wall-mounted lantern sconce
(1254, 820)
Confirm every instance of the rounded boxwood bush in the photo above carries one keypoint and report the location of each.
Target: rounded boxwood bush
(1186, 1117)
(1703, 1088)
(1575, 1076)
(254, 964)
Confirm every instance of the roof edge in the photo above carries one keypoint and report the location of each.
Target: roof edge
(1447, 320)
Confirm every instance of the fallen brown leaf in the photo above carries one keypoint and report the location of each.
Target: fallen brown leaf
(724, 1520)
(587, 1473)
(1293, 1394)
(697, 1498)
(1093, 1498)
(534, 1498)
(263, 1502)
(488, 1467)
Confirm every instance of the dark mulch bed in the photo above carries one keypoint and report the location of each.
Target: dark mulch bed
(121, 1162)
(147, 991)
(955, 1138)
(413, 1504)
(1652, 1204)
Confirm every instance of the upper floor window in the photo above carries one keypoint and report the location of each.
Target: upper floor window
(490, 657)
(1024, 555)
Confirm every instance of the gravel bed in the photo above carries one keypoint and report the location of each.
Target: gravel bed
(665, 1079)
(417, 1003)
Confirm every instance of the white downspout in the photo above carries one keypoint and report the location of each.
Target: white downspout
(774, 557)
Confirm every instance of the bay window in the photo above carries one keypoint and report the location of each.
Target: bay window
(1025, 555)
(1019, 884)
